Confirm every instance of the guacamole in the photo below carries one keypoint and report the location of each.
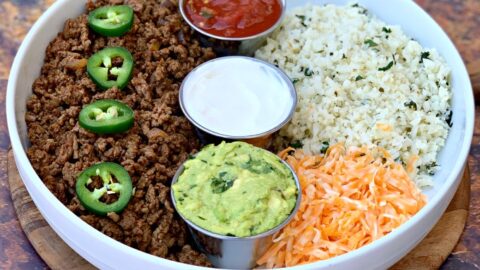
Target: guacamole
(235, 189)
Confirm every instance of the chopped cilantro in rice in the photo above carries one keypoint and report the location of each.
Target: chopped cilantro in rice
(361, 83)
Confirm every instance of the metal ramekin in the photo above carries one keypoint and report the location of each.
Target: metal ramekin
(247, 45)
(261, 139)
(229, 251)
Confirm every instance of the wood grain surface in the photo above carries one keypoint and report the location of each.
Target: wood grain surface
(55, 253)
(439, 243)
(459, 18)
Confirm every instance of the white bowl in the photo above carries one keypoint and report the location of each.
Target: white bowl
(106, 253)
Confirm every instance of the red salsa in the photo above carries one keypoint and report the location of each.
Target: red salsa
(233, 18)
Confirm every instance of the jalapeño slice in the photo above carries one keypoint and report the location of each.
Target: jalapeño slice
(115, 180)
(111, 21)
(106, 116)
(111, 67)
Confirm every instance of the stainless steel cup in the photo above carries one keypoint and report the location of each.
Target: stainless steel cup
(247, 45)
(262, 140)
(234, 252)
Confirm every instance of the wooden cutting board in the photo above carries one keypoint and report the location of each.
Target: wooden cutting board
(429, 254)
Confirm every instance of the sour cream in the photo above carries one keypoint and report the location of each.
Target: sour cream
(237, 97)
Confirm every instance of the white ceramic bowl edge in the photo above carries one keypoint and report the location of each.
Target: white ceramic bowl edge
(107, 253)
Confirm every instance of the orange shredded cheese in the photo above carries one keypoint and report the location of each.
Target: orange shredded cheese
(349, 199)
(384, 127)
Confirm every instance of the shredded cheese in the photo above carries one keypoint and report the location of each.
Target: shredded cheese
(350, 198)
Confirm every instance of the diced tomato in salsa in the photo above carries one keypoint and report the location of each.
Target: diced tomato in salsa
(233, 18)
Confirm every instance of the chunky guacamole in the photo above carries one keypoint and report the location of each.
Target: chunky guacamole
(235, 189)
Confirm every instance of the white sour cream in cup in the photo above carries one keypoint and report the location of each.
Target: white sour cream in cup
(238, 97)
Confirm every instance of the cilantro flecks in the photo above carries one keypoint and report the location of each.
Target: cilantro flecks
(424, 55)
(370, 43)
(387, 67)
(302, 19)
(411, 104)
(222, 182)
(449, 119)
(296, 144)
(308, 72)
(325, 146)
(206, 13)
(361, 9)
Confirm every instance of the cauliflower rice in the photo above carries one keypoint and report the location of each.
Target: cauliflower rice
(362, 82)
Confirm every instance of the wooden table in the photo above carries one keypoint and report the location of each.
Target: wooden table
(459, 18)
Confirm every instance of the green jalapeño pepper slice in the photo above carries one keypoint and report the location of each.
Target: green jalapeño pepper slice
(105, 69)
(106, 116)
(115, 180)
(111, 21)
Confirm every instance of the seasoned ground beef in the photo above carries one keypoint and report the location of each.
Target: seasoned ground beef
(161, 139)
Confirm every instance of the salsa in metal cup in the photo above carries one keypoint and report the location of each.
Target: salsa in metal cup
(234, 18)
(235, 189)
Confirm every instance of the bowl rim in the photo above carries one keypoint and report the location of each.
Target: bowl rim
(22, 159)
(267, 31)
